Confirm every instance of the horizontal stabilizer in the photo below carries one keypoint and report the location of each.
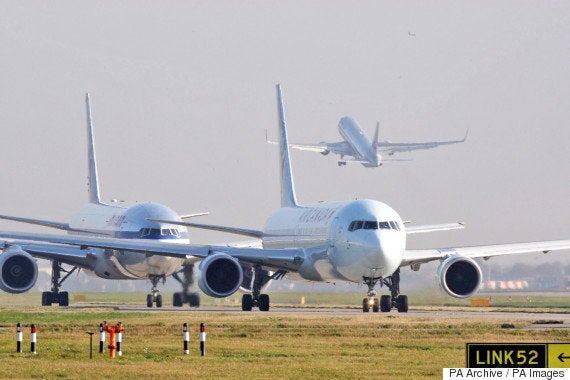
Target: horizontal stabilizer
(188, 216)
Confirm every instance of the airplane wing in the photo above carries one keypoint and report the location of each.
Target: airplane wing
(341, 147)
(52, 247)
(71, 255)
(391, 148)
(415, 257)
(39, 222)
(42, 222)
(434, 227)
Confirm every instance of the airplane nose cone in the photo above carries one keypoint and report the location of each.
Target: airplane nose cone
(384, 252)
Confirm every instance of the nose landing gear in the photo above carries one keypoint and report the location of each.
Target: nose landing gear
(387, 302)
(155, 296)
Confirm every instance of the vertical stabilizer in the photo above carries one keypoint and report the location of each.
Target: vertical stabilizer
(375, 142)
(93, 178)
(288, 198)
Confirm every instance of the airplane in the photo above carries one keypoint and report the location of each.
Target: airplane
(118, 219)
(358, 241)
(357, 145)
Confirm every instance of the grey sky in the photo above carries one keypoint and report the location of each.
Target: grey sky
(183, 91)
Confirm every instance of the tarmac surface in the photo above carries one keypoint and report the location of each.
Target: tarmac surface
(539, 320)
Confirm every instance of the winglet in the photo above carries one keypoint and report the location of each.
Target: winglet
(288, 198)
(93, 178)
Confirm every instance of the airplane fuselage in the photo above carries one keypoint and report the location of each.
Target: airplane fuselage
(366, 238)
(353, 134)
(129, 221)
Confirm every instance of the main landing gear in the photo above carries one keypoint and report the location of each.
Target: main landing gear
(155, 297)
(180, 298)
(387, 302)
(55, 296)
(256, 299)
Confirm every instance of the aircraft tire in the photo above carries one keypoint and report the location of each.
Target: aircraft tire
(46, 299)
(375, 306)
(365, 305)
(402, 304)
(177, 300)
(149, 300)
(64, 299)
(193, 299)
(159, 300)
(263, 302)
(246, 302)
(385, 304)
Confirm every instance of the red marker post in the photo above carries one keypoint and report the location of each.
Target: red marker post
(33, 340)
(202, 339)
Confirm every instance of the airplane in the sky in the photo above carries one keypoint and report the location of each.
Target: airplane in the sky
(361, 241)
(362, 150)
(116, 219)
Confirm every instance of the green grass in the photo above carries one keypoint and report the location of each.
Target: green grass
(245, 345)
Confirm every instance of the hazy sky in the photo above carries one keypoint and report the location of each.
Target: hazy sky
(183, 91)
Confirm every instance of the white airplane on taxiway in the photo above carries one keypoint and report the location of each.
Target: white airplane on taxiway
(362, 241)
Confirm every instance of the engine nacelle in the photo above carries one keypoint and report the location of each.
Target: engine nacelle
(220, 275)
(459, 276)
(18, 270)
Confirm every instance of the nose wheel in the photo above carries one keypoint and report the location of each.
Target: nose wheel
(387, 302)
(155, 297)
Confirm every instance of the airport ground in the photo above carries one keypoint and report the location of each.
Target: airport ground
(327, 337)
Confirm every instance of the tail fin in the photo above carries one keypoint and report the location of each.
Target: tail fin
(375, 142)
(288, 198)
(93, 178)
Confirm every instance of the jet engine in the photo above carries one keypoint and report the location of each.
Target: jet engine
(220, 275)
(18, 270)
(459, 276)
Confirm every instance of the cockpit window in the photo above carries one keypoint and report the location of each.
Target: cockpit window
(355, 225)
(157, 233)
(373, 225)
(370, 225)
(395, 226)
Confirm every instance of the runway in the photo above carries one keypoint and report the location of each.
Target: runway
(538, 320)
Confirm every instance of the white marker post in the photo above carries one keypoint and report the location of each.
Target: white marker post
(202, 339)
(186, 335)
(101, 338)
(19, 338)
(33, 340)
(119, 338)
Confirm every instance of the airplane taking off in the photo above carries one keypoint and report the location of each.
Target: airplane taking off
(120, 220)
(357, 145)
(362, 241)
